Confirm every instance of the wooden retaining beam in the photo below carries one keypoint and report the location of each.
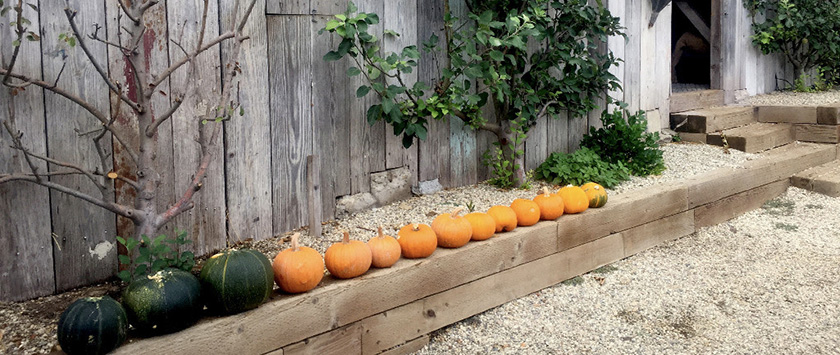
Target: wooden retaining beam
(391, 310)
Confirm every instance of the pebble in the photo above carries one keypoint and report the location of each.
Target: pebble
(790, 98)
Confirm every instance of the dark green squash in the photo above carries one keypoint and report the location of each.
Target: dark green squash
(236, 280)
(164, 302)
(92, 325)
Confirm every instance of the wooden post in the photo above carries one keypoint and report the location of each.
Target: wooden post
(313, 183)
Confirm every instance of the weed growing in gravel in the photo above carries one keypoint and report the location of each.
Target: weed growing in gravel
(577, 280)
(787, 227)
(606, 269)
(811, 206)
(778, 208)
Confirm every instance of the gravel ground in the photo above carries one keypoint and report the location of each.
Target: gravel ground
(763, 283)
(790, 98)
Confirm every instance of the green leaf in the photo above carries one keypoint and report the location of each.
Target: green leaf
(362, 91)
(332, 56)
(124, 259)
(495, 42)
(391, 33)
(125, 275)
(497, 55)
(353, 71)
(332, 24)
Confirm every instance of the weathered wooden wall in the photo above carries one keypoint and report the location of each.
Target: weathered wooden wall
(295, 105)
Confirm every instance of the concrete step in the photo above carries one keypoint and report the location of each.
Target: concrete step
(713, 119)
(824, 179)
(755, 137)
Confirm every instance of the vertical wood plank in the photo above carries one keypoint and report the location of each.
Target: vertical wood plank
(377, 141)
(433, 153)
(463, 169)
(536, 146)
(663, 65)
(557, 137)
(286, 7)
(331, 96)
(396, 18)
(715, 45)
(82, 229)
(632, 60)
(25, 239)
(730, 67)
(647, 68)
(205, 223)
(616, 44)
(291, 135)
(313, 197)
(247, 138)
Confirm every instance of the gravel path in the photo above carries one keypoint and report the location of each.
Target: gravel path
(764, 283)
(790, 98)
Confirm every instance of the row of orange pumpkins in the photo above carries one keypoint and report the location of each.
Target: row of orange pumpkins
(300, 269)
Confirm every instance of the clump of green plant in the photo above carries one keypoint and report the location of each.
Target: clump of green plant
(606, 269)
(807, 32)
(154, 255)
(778, 207)
(577, 280)
(582, 166)
(787, 227)
(626, 141)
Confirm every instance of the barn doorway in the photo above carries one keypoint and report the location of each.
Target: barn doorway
(692, 42)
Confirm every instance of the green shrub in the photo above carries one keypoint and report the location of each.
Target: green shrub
(581, 167)
(626, 142)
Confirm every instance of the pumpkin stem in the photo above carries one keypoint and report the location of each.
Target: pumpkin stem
(416, 226)
(456, 211)
(546, 191)
(379, 230)
(295, 245)
(346, 237)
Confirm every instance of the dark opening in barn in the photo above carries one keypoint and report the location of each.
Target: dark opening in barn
(690, 38)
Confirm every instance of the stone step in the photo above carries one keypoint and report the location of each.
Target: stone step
(713, 119)
(755, 137)
(824, 179)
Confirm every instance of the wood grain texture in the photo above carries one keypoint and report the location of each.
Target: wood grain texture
(557, 137)
(25, 239)
(289, 7)
(405, 23)
(331, 96)
(617, 44)
(824, 179)
(344, 340)
(648, 94)
(646, 236)
(733, 206)
(462, 139)
(433, 153)
(787, 114)
(662, 84)
(715, 45)
(313, 196)
(644, 206)
(817, 133)
(247, 159)
(425, 315)
(693, 100)
(205, 223)
(409, 347)
(80, 227)
(291, 121)
(633, 53)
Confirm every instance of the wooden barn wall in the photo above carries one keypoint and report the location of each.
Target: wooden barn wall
(296, 105)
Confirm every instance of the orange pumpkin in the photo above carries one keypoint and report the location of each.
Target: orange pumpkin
(595, 193)
(574, 199)
(551, 205)
(298, 269)
(348, 258)
(452, 230)
(505, 218)
(483, 225)
(417, 241)
(384, 250)
(527, 212)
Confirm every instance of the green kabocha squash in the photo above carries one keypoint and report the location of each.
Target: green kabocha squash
(164, 302)
(236, 280)
(92, 325)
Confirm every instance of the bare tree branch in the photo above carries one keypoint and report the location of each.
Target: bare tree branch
(172, 68)
(152, 129)
(81, 102)
(119, 209)
(16, 139)
(20, 31)
(128, 13)
(71, 14)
